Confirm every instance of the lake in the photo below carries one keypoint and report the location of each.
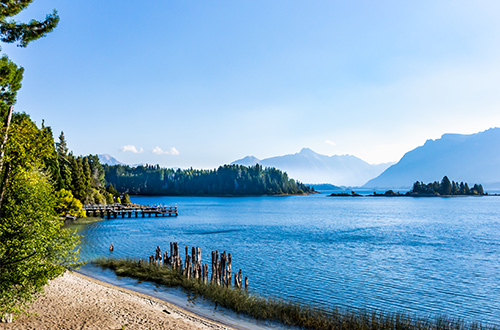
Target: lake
(423, 256)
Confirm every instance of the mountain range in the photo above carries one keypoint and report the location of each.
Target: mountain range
(310, 167)
(473, 158)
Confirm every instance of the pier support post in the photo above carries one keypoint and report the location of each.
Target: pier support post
(222, 274)
(198, 262)
(228, 270)
(212, 279)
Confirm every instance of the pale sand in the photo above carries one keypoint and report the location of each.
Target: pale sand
(75, 301)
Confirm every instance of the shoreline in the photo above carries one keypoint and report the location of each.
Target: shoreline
(77, 301)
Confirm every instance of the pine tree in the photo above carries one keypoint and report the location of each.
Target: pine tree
(64, 163)
(23, 33)
(87, 176)
(445, 186)
(77, 179)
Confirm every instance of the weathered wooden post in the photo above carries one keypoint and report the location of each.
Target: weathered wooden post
(205, 273)
(177, 256)
(198, 262)
(228, 270)
(158, 255)
(193, 259)
(237, 280)
(187, 267)
(166, 260)
(219, 270)
(246, 282)
(111, 247)
(171, 249)
(212, 279)
(179, 264)
(223, 258)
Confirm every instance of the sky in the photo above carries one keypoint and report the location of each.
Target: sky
(203, 83)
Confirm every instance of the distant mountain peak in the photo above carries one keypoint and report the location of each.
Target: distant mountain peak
(310, 167)
(472, 158)
(307, 151)
(109, 160)
(246, 161)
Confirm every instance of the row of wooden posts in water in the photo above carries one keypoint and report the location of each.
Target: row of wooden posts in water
(193, 268)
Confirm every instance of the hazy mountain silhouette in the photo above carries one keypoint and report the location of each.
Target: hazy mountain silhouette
(109, 160)
(247, 161)
(473, 158)
(310, 167)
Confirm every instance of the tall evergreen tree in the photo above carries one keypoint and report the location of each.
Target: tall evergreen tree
(64, 163)
(77, 179)
(86, 172)
(445, 187)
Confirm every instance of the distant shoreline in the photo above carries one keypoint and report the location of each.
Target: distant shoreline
(405, 195)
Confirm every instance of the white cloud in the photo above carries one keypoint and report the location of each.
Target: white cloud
(159, 151)
(330, 143)
(131, 148)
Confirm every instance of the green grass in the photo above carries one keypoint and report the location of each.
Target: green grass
(287, 312)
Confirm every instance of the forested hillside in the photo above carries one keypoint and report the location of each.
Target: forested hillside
(83, 176)
(226, 180)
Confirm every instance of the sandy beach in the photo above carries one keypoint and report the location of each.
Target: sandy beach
(75, 301)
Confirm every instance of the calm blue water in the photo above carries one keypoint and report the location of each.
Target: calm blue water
(425, 256)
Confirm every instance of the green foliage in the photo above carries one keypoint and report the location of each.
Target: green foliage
(226, 180)
(126, 200)
(33, 246)
(23, 33)
(78, 182)
(64, 163)
(288, 312)
(109, 198)
(110, 189)
(10, 83)
(445, 188)
(83, 176)
(68, 205)
(29, 145)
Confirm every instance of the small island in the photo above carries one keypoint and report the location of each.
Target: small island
(444, 188)
(345, 194)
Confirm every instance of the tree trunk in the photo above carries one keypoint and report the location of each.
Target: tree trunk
(3, 179)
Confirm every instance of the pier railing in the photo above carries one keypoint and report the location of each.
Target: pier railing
(128, 211)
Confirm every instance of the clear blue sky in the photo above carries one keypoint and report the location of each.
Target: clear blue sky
(203, 83)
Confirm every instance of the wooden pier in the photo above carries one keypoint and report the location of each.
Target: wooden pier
(128, 211)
